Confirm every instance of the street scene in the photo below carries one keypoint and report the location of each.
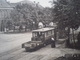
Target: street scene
(11, 49)
(39, 30)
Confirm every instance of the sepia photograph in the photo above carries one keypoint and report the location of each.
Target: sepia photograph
(39, 29)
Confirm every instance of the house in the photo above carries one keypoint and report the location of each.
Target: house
(5, 10)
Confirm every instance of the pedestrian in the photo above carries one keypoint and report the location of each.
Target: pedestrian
(52, 42)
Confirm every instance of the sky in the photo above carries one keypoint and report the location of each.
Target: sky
(44, 3)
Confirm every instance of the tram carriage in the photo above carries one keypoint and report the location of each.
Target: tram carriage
(40, 37)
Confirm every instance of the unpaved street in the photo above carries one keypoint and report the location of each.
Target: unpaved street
(45, 53)
(10, 41)
(10, 49)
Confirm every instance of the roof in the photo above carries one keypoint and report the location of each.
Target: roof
(42, 29)
(4, 4)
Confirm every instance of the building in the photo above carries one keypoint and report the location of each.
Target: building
(5, 10)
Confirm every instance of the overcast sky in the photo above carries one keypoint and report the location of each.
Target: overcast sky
(44, 3)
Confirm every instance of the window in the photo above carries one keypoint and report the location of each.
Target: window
(47, 33)
(52, 31)
(34, 34)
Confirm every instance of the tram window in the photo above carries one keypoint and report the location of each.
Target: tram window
(49, 33)
(37, 33)
(34, 34)
(45, 34)
(40, 34)
(52, 31)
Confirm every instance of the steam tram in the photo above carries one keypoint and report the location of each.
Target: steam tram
(40, 37)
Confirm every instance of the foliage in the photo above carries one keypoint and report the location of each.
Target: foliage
(67, 13)
(28, 15)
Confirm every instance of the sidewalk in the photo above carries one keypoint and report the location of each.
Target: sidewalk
(62, 47)
(58, 53)
(55, 53)
(66, 53)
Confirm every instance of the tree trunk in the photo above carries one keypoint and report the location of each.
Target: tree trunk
(67, 41)
(14, 28)
(73, 38)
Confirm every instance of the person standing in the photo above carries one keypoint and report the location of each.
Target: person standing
(52, 42)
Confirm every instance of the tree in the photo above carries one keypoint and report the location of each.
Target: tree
(26, 14)
(67, 14)
(47, 15)
(21, 15)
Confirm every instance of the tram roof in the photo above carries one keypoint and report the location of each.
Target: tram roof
(42, 29)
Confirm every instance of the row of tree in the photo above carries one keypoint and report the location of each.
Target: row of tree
(29, 16)
(66, 14)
